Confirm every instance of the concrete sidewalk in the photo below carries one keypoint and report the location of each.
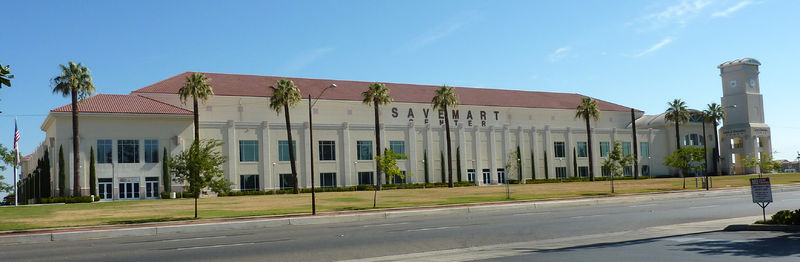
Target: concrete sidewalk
(152, 229)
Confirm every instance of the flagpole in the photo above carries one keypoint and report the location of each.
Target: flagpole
(16, 154)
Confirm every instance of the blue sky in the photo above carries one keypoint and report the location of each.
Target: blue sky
(636, 53)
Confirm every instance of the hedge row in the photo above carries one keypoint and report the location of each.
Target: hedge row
(785, 217)
(343, 189)
(68, 200)
(575, 179)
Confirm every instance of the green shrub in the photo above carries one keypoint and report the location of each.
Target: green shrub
(68, 200)
(786, 217)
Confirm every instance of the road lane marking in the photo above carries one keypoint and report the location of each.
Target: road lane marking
(532, 213)
(645, 205)
(790, 199)
(187, 239)
(704, 206)
(579, 217)
(431, 228)
(214, 246)
(384, 225)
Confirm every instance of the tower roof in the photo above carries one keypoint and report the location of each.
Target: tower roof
(743, 61)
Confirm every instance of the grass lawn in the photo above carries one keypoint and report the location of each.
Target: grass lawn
(143, 211)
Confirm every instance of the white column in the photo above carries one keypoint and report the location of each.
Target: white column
(598, 162)
(306, 176)
(348, 172)
(411, 151)
(568, 148)
(492, 155)
(534, 153)
(523, 154)
(431, 156)
(233, 154)
(506, 147)
(476, 161)
(267, 178)
(548, 145)
(462, 155)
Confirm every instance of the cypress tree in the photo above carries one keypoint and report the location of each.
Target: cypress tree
(46, 175)
(574, 162)
(92, 173)
(533, 166)
(425, 163)
(519, 165)
(444, 180)
(165, 172)
(62, 176)
(546, 168)
(458, 162)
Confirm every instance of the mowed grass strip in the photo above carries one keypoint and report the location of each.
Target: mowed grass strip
(159, 210)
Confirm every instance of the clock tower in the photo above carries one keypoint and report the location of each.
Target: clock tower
(743, 134)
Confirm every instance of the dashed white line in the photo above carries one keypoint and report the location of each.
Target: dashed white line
(533, 213)
(187, 239)
(384, 225)
(703, 206)
(579, 217)
(431, 228)
(214, 246)
(646, 205)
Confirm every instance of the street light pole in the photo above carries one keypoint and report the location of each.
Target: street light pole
(311, 150)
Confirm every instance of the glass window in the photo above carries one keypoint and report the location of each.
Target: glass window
(559, 150)
(327, 179)
(365, 178)
(286, 181)
(327, 150)
(151, 151)
(399, 147)
(561, 172)
(583, 171)
(248, 150)
(628, 171)
(104, 151)
(626, 148)
(151, 187)
(487, 176)
(471, 175)
(645, 170)
(364, 150)
(283, 150)
(501, 176)
(604, 149)
(128, 151)
(606, 172)
(644, 148)
(582, 149)
(248, 182)
(398, 179)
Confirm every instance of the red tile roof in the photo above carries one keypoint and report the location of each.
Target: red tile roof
(258, 86)
(130, 104)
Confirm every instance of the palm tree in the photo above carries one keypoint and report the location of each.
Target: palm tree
(677, 112)
(715, 114)
(197, 87)
(286, 95)
(74, 81)
(588, 110)
(377, 95)
(5, 75)
(445, 96)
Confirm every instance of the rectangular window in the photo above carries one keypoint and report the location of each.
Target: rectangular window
(558, 149)
(626, 148)
(583, 171)
(487, 176)
(628, 171)
(327, 179)
(129, 188)
(561, 172)
(248, 150)
(286, 181)
(399, 147)
(644, 149)
(471, 175)
(128, 151)
(606, 172)
(645, 170)
(604, 149)
(104, 188)
(151, 187)
(365, 178)
(104, 151)
(501, 176)
(327, 150)
(151, 151)
(364, 150)
(582, 150)
(283, 150)
(398, 179)
(248, 183)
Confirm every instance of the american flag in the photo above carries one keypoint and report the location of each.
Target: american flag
(16, 143)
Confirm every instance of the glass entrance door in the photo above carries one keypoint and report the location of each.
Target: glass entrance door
(151, 187)
(129, 188)
(105, 188)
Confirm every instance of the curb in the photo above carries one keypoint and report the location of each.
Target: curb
(86, 233)
(782, 228)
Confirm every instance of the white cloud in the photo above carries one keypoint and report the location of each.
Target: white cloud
(731, 9)
(680, 14)
(655, 47)
(305, 59)
(442, 30)
(560, 53)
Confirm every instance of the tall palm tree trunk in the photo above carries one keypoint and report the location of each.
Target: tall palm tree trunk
(291, 148)
(449, 151)
(589, 140)
(716, 150)
(378, 175)
(678, 143)
(76, 190)
(196, 143)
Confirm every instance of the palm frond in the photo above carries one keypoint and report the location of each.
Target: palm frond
(443, 97)
(285, 92)
(196, 86)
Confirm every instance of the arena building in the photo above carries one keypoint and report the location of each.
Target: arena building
(129, 134)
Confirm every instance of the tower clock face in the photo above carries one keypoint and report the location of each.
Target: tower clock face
(733, 83)
(752, 83)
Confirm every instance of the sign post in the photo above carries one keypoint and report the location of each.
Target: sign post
(762, 193)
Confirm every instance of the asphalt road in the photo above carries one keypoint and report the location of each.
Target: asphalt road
(343, 241)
